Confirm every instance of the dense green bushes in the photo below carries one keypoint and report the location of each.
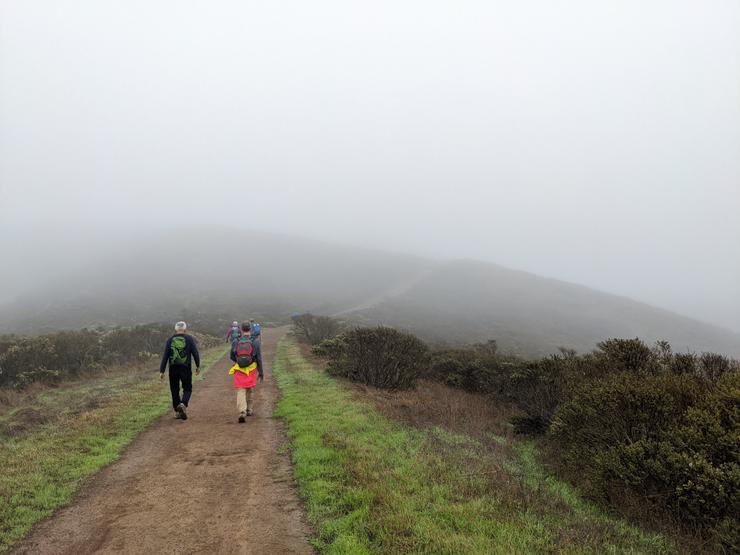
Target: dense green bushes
(381, 357)
(66, 354)
(624, 408)
(476, 368)
(640, 428)
(627, 421)
(668, 438)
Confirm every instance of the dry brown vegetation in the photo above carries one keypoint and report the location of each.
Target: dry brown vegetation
(433, 404)
(25, 410)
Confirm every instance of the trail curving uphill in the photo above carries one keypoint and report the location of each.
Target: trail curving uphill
(207, 485)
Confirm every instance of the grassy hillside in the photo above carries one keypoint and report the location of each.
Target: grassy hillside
(374, 485)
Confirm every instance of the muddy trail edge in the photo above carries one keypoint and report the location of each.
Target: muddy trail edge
(206, 485)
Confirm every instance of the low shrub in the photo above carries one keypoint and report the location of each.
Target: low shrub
(713, 367)
(621, 409)
(313, 329)
(538, 388)
(465, 370)
(381, 357)
(65, 354)
(669, 439)
(629, 354)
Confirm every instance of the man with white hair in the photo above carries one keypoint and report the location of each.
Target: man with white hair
(179, 350)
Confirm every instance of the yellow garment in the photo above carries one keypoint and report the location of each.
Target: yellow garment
(249, 369)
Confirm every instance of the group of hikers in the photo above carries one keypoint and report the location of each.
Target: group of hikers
(181, 351)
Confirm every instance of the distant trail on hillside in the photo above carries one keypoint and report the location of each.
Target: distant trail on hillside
(395, 291)
(207, 485)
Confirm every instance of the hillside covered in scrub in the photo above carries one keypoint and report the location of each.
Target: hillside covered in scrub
(191, 273)
(644, 431)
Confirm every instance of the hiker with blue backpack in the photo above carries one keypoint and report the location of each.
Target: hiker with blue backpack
(255, 330)
(247, 369)
(179, 352)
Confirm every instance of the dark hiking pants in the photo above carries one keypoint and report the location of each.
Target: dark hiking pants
(180, 375)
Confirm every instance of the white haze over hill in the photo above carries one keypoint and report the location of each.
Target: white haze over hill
(118, 282)
(595, 142)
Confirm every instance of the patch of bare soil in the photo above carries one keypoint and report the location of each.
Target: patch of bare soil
(206, 485)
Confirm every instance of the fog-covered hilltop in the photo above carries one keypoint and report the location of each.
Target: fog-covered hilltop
(224, 271)
(210, 269)
(467, 301)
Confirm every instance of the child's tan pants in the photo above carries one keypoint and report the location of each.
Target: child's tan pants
(244, 400)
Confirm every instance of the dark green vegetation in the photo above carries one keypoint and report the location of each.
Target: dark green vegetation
(52, 438)
(669, 440)
(314, 329)
(452, 302)
(381, 357)
(649, 433)
(60, 356)
(374, 485)
(645, 431)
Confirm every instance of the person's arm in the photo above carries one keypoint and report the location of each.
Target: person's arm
(232, 352)
(165, 356)
(195, 353)
(258, 356)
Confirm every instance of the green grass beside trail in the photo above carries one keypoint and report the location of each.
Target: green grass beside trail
(375, 485)
(41, 471)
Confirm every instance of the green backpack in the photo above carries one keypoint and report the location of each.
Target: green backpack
(178, 353)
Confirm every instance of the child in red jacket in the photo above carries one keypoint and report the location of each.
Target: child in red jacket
(246, 370)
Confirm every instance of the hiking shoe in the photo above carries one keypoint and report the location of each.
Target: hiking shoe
(181, 412)
(178, 416)
(242, 420)
(250, 412)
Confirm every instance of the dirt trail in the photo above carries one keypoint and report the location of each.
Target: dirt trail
(395, 291)
(207, 485)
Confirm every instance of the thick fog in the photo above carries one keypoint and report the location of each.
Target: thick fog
(596, 142)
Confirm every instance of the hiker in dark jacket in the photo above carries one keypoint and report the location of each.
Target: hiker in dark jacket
(179, 351)
(246, 329)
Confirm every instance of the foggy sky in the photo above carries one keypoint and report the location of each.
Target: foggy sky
(596, 142)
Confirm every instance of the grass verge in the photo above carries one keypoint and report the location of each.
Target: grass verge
(43, 468)
(374, 485)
